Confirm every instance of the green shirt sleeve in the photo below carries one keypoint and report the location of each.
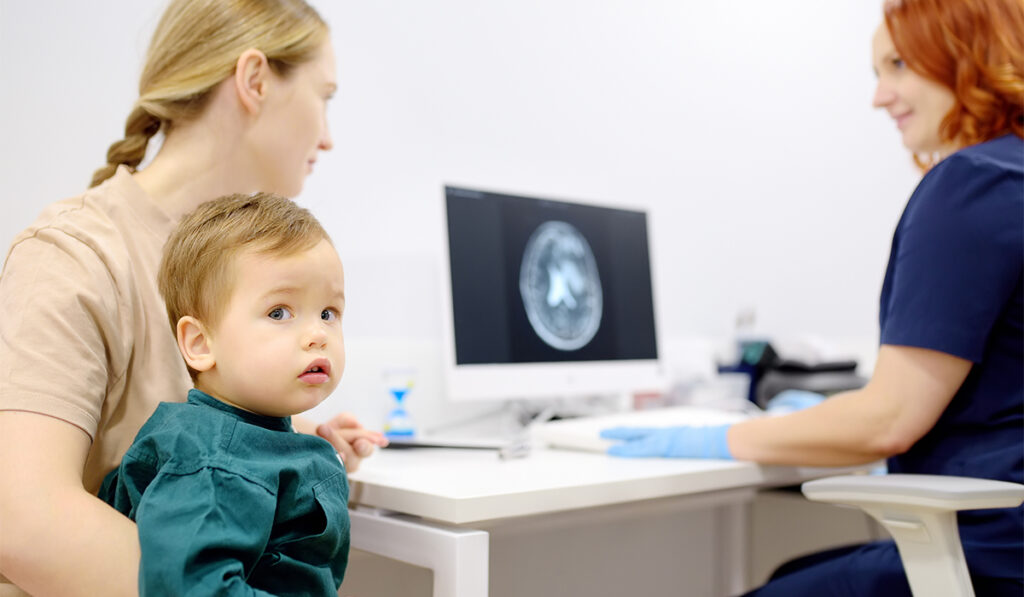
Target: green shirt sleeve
(202, 533)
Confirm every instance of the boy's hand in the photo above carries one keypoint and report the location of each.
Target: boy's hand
(352, 441)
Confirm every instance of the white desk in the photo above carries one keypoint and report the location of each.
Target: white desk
(418, 506)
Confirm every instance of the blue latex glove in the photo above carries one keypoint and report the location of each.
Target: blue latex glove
(790, 401)
(670, 442)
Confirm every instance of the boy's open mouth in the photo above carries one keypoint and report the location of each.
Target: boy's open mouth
(319, 371)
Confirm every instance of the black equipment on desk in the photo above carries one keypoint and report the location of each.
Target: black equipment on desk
(771, 373)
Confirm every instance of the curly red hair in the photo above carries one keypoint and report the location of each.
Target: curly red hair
(976, 49)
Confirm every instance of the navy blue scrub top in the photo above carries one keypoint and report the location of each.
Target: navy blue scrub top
(954, 284)
(229, 502)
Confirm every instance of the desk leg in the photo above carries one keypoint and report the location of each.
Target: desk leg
(458, 557)
(732, 530)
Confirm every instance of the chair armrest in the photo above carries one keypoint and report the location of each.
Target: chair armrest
(937, 492)
(919, 511)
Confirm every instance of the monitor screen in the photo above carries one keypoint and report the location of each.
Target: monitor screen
(546, 298)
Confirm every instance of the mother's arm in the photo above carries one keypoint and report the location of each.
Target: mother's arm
(907, 394)
(57, 538)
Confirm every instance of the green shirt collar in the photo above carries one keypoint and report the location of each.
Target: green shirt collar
(272, 423)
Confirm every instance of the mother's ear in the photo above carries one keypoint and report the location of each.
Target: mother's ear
(195, 344)
(252, 76)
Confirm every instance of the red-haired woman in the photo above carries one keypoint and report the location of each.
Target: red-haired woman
(947, 393)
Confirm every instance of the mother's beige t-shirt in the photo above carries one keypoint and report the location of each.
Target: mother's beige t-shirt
(85, 336)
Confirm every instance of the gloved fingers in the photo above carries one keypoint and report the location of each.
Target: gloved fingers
(788, 401)
(641, 448)
(675, 442)
(627, 433)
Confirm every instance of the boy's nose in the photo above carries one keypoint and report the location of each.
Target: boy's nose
(316, 337)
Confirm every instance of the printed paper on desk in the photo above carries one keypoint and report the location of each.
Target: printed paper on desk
(584, 433)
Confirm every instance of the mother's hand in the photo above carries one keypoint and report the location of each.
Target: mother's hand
(352, 441)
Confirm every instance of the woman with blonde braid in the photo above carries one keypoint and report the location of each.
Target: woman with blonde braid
(238, 91)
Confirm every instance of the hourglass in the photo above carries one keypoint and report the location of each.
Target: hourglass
(399, 383)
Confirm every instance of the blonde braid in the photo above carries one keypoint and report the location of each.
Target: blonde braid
(130, 151)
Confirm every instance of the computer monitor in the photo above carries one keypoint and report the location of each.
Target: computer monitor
(546, 299)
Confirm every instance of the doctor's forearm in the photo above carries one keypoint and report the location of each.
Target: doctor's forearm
(847, 429)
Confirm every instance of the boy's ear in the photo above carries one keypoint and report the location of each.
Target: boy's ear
(195, 344)
(252, 74)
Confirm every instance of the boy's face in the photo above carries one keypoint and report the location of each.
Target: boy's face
(278, 347)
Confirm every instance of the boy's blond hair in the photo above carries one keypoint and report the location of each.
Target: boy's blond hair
(196, 277)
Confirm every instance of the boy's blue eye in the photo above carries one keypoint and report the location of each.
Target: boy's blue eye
(279, 314)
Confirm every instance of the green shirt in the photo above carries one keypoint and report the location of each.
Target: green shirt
(228, 502)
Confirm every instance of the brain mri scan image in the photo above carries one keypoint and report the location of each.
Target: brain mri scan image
(560, 286)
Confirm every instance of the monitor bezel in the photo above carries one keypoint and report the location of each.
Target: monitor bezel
(564, 380)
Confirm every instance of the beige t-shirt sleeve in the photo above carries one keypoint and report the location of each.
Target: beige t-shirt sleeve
(63, 344)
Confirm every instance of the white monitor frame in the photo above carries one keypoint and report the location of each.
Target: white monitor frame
(538, 381)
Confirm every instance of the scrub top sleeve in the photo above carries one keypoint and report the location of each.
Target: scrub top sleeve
(956, 259)
(202, 533)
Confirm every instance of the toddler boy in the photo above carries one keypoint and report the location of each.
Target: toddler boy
(227, 497)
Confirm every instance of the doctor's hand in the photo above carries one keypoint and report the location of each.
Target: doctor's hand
(790, 401)
(669, 442)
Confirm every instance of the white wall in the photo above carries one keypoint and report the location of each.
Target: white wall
(745, 128)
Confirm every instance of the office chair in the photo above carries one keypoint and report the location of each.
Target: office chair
(920, 513)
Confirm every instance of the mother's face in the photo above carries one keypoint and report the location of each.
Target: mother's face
(292, 128)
